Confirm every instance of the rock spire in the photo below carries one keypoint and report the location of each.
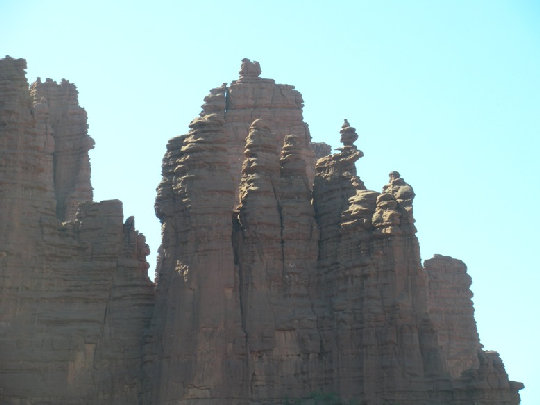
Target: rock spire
(249, 69)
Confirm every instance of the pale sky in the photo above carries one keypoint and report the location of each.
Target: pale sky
(445, 92)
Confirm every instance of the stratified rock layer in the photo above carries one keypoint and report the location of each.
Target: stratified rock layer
(211, 199)
(74, 292)
(278, 279)
(479, 376)
(198, 333)
(65, 120)
(276, 244)
(452, 312)
(381, 344)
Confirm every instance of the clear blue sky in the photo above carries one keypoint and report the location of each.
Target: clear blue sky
(446, 92)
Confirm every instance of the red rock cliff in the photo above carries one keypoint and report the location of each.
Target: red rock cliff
(74, 292)
(277, 277)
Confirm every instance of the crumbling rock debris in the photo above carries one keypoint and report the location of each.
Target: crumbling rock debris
(279, 273)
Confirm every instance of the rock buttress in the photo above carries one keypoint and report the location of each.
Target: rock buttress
(479, 375)
(75, 295)
(199, 346)
(276, 244)
(452, 312)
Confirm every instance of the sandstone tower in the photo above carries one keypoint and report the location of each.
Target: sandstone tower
(279, 274)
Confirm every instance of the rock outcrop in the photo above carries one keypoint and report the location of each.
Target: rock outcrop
(314, 282)
(74, 292)
(278, 279)
(214, 197)
(382, 345)
(451, 310)
(60, 115)
(276, 243)
(479, 376)
(196, 330)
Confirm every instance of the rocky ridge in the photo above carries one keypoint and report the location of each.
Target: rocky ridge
(277, 277)
(74, 290)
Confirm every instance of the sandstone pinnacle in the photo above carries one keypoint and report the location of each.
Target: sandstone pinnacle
(279, 274)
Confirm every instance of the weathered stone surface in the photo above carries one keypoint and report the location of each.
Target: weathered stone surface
(479, 375)
(276, 245)
(326, 292)
(320, 149)
(486, 384)
(452, 312)
(74, 294)
(276, 277)
(251, 97)
(196, 203)
(197, 331)
(66, 121)
(375, 290)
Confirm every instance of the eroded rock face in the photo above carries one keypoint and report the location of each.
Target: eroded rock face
(276, 244)
(308, 290)
(277, 277)
(381, 343)
(479, 376)
(235, 214)
(197, 331)
(74, 292)
(452, 312)
(61, 115)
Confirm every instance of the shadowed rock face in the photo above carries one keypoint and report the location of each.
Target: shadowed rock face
(61, 116)
(277, 277)
(74, 294)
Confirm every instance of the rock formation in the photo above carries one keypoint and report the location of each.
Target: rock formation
(66, 122)
(452, 312)
(276, 243)
(479, 376)
(277, 278)
(327, 292)
(74, 292)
